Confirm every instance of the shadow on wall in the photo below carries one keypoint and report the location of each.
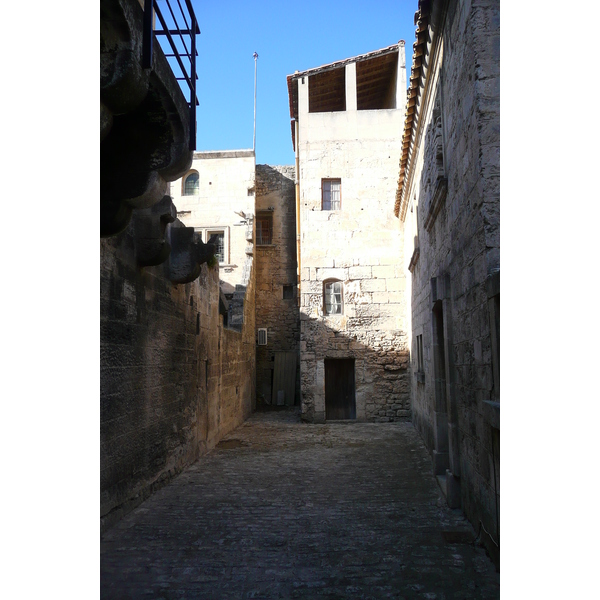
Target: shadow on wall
(173, 380)
(357, 372)
(277, 360)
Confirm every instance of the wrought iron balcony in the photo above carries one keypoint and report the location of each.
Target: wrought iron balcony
(176, 28)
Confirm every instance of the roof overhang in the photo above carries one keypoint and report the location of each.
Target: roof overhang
(418, 75)
(329, 77)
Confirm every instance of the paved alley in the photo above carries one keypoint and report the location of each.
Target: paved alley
(283, 509)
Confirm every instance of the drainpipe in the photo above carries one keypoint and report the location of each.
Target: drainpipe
(298, 256)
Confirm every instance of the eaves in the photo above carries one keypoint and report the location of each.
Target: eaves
(426, 41)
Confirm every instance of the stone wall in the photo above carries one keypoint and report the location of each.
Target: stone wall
(358, 245)
(276, 267)
(173, 379)
(452, 244)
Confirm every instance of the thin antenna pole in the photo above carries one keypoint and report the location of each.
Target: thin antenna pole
(255, 63)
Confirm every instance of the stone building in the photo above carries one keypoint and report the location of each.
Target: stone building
(448, 203)
(173, 378)
(277, 316)
(346, 122)
(216, 198)
(296, 284)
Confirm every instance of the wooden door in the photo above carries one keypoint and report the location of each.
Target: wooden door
(284, 379)
(340, 399)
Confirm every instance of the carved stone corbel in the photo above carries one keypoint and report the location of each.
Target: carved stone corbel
(188, 254)
(151, 247)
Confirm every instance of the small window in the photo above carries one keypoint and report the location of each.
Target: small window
(332, 292)
(191, 184)
(420, 367)
(288, 292)
(218, 239)
(262, 337)
(331, 194)
(264, 229)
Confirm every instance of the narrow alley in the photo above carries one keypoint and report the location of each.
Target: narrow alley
(283, 509)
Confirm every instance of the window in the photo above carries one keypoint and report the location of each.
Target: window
(218, 239)
(420, 364)
(264, 229)
(288, 292)
(191, 184)
(420, 353)
(331, 194)
(262, 337)
(332, 292)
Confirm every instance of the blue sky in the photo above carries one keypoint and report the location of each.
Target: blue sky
(287, 37)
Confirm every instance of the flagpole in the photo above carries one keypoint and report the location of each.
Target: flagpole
(255, 63)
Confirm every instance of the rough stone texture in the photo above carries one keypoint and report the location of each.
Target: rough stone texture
(461, 245)
(173, 379)
(276, 267)
(283, 509)
(359, 245)
(144, 119)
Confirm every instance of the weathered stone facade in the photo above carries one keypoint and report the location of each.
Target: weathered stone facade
(449, 202)
(348, 237)
(173, 379)
(276, 279)
(221, 202)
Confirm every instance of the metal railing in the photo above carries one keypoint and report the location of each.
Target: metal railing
(178, 28)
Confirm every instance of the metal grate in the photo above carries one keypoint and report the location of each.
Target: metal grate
(177, 26)
(264, 230)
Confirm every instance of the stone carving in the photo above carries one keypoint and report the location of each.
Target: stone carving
(150, 225)
(144, 120)
(188, 253)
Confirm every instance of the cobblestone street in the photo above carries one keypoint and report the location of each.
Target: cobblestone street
(283, 509)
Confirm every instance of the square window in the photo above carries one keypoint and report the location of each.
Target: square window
(264, 229)
(288, 292)
(331, 190)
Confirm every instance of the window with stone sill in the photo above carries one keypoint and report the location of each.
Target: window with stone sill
(331, 194)
(333, 297)
(191, 184)
(221, 240)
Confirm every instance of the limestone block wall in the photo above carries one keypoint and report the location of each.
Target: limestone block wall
(173, 379)
(225, 189)
(276, 267)
(359, 245)
(459, 250)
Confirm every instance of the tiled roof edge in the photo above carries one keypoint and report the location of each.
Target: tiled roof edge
(422, 17)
